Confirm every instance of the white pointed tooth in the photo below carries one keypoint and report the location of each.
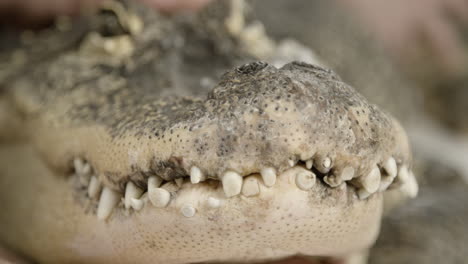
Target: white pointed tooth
(385, 183)
(390, 167)
(250, 186)
(347, 173)
(410, 186)
(326, 163)
(371, 181)
(131, 191)
(332, 180)
(268, 176)
(84, 179)
(136, 204)
(232, 183)
(86, 169)
(323, 164)
(305, 179)
(179, 181)
(291, 163)
(159, 197)
(213, 202)
(403, 174)
(363, 194)
(108, 201)
(309, 164)
(340, 176)
(78, 164)
(196, 175)
(94, 187)
(188, 210)
(154, 182)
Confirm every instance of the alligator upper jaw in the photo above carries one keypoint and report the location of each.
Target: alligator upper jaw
(48, 220)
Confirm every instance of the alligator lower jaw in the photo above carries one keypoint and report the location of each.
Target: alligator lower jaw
(283, 220)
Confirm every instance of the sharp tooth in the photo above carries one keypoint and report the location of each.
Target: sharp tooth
(250, 186)
(391, 170)
(187, 210)
(333, 180)
(94, 187)
(268, 176)
(390, 167)
(196, 175)
(347, 173)
(154, 182)
(131, 191)
(403, 174)
(410, 186)
(213, 202)
(385, 183)
(309, 164)
(179, 181)
(291, 163)
(363, 194)
(136, 204)
(323, 164)
(78, 164)
(86, 169)
(232, 183)
(159, 197)
(341, 176)
(108, 201)
(371, 181)
(305, 179)
(84, 179)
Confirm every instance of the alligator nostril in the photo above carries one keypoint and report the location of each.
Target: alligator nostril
(251, 68)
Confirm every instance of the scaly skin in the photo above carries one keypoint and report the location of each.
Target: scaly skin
(137, 102)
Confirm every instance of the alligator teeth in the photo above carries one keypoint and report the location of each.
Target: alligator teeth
(94, 187)
(309, 164)
(196, 175)
(158, 197)
(410, 186)
(250, 186)
(268, 176)
(390, 167)
(213, 202)
(371, 181)
(363, 194)
(332, 180)
(154, 182)
(403, 174)
(391, 170)
(187, 210)
(78, 164)
(179, 182)
(337, 179)
(323, 164)
(136, 204)
(131, 192)
(291, 163)
(108, 201)
(305, 179)
(232, 183)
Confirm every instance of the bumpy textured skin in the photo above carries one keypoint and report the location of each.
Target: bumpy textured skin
(150, 113)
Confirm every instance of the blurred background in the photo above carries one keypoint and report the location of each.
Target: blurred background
(409, 57)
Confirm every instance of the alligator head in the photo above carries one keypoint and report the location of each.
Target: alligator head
(267, 163)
